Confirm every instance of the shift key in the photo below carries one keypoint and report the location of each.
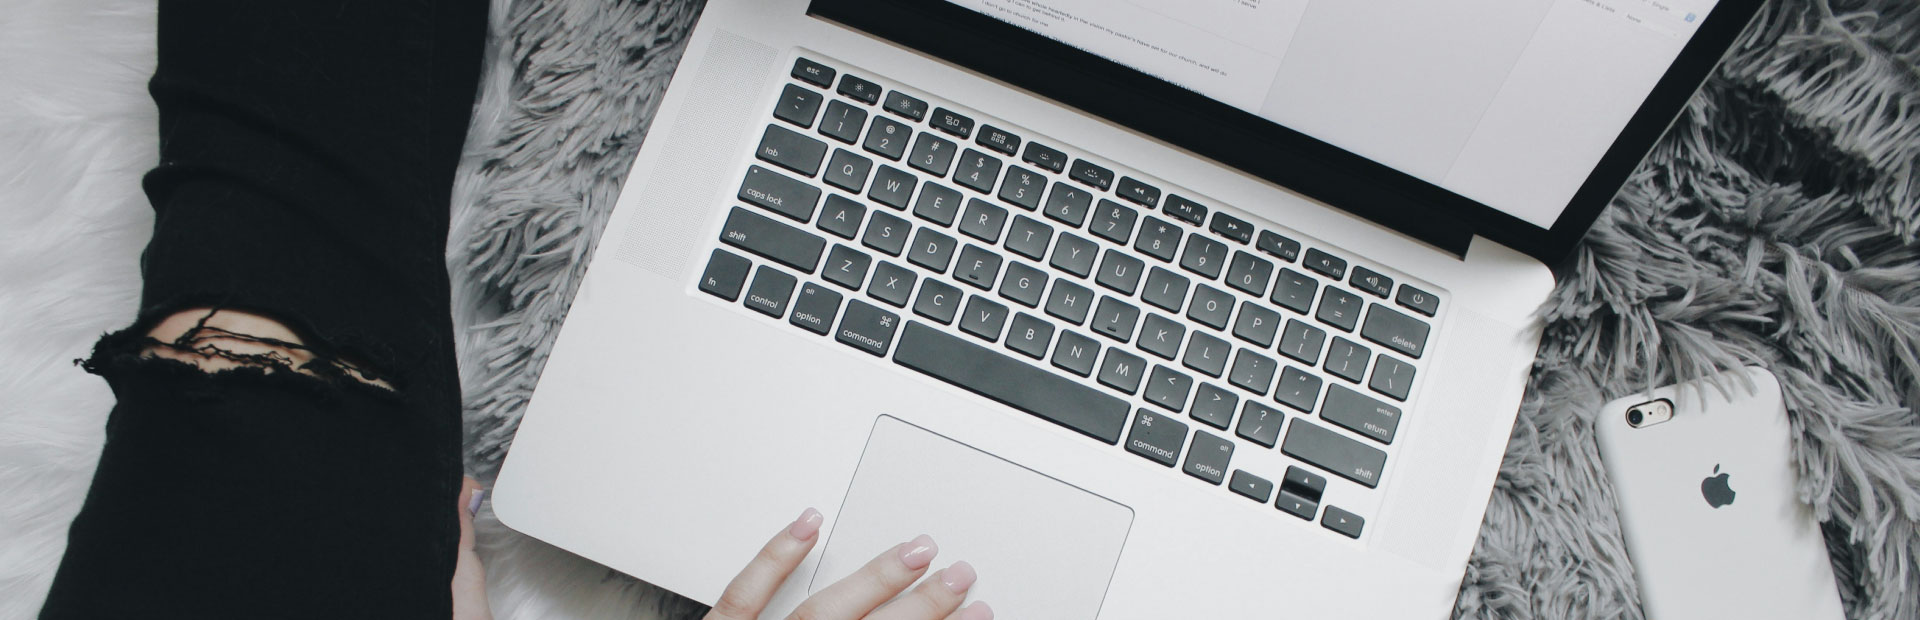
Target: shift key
(773, 240)
(1331, 451)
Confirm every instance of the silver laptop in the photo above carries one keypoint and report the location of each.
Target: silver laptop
(1147, 308)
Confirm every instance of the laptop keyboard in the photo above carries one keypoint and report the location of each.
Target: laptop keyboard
(1060, 288)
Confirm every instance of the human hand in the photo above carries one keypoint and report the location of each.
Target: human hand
(861, 595)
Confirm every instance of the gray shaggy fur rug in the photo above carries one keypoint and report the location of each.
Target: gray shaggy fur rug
(1775, 225)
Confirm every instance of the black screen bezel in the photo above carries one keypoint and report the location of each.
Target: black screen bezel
(1271, 151)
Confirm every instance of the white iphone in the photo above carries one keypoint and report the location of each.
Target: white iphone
(1705, 484)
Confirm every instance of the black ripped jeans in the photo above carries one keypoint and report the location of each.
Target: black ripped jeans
(307, 151)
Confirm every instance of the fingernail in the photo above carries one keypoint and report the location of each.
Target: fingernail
(807, 526)
(977, 611)
(919, 552)
(958, 577)
(473, 501)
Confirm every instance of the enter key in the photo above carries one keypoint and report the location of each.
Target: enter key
(1361, 414)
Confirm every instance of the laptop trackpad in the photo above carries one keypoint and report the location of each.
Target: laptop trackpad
(1044, 549)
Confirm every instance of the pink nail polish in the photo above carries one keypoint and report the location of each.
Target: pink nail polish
(959, 577)
(977, 611)
(919, 552)
(807, 526)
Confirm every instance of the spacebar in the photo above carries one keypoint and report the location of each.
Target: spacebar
(1012, 382)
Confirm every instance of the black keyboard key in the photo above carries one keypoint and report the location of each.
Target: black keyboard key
(1120, 272)
(843, 122)
(1165, 289)
(1249, 274)
(1113, 221)
(938, 301)
(1074, 255)
(1251, 487)
(1233, 228)
(779, 193)
(1045, 157)
(1185, 210)
(892, 187)
(1115, 319)
(938, 204)
(1068, 204)
(887, 233)
(1418, 300)
(1371, 281)
(1296, 505)
(1214, 405)
(772, 240)
(1391, 377)
(1024, 284)
(1029, 335)
(1256, 324)
(1340, 308)
(1158, 239)
(1204, 256)
(797, 105)
(1207, 457)
(1156, 437)
(725, 274)
(1327, 264)
(1335, 453)
(978, 266)
(815, 308)
(814, 73)
(1343, 522)
(1396, 331)
(842, 216)
(978, 171)
(1278, 246)
(1169, 388)
(983, 318)
(1029, 237)
(1122, 371)
(952, 122)
(1139, 193)
(1259, 423)
(1252, 371)
(1012, 382)
(1294, 291)
(868, 328)
(1091, 174)
(998, 139)
(1211, 306)
(1298, 390)
(905, 105)
(859, 89)
(1069, 302)
(892, 284)
(848, 171)
(787, 149)
(932, 154)
(1360, 413)
(983, 220)
(1300, 492)
(932, 250)
(1347, 360)
(1207, 354)
(770, 292)
(1076, 353)
(1162, 336)
(847, 267)
(887, 138)
(1302, 342)
(1022, 188)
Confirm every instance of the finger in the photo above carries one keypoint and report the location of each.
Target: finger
(469, 577)
(877, 582)
(978, 610)
(933, 599)
(750, 591)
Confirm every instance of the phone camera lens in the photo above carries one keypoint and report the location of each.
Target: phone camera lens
(1634, 417)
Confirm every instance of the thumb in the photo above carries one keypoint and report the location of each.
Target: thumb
(469, 577)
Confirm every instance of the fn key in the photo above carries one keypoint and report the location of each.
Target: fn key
(725, 273)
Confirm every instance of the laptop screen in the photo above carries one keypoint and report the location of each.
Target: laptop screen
(1511, 104)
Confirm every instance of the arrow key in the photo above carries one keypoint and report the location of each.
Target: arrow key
(1252, 487)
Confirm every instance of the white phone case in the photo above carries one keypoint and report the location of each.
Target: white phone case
(1760, 556)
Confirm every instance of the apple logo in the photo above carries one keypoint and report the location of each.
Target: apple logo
(1716, 489)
